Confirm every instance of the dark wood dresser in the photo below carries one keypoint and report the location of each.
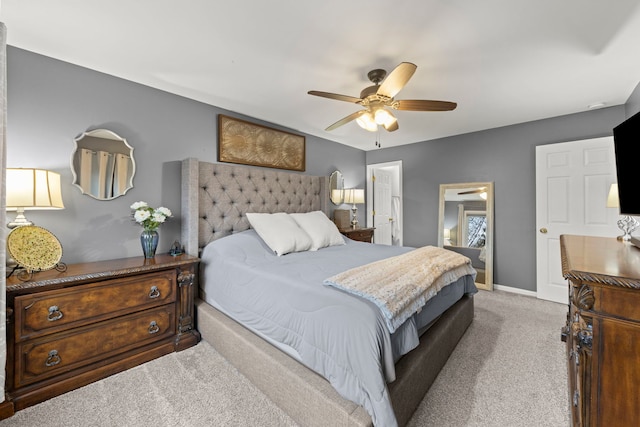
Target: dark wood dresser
(68, 329)
(359, 234)
(603, 330)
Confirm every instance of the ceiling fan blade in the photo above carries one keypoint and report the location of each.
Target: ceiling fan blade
(396, 80)
(339, 97)
(346, 120)
(476, 191)
(423, 105)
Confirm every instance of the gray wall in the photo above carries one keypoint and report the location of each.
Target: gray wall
(51, 102)
(503, 155)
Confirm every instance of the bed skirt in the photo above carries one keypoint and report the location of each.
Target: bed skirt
(306, 396)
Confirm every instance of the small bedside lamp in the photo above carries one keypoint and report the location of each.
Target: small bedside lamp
(354, 196)
(626, 223)
(32, 189)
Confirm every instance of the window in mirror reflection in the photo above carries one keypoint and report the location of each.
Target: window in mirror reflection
(476, 229)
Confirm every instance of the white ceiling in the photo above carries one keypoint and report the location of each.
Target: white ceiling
(502, 61)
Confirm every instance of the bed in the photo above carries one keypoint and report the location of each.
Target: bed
(477, 257)
(216, 198)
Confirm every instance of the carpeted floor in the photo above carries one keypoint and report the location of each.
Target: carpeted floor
(508, 370)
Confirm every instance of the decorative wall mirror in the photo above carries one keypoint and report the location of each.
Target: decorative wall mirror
(465, 225)
(102, 164)
(336, 186)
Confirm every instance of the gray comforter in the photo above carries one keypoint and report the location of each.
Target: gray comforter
(342, 337)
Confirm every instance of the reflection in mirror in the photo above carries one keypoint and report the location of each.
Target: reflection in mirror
(102, 164)
(336, 186)
(465, 225)
(474, 232)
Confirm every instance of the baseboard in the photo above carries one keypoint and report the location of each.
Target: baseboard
(515, 290)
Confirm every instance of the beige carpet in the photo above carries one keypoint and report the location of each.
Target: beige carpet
(508, 370)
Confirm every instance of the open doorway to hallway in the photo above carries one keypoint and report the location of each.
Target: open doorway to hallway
(384, 202)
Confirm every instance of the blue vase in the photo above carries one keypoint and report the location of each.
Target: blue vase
(149, 241)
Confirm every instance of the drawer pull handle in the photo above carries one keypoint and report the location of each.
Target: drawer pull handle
(154, 292)
(153, 327)
(54, 313)
(53, 358)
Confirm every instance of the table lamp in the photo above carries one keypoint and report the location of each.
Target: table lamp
(31, 189)
(354, 196)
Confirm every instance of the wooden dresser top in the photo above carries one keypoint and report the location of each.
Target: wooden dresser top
(89, 271)
(603, 260)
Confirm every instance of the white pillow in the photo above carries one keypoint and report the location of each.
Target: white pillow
(280, 232)
(322, 230)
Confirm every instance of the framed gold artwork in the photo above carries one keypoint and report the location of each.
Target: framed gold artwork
(248, 143)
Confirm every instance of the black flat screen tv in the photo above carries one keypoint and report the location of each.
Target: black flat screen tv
(626, 140)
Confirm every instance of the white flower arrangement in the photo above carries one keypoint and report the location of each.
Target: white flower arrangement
(148, 217)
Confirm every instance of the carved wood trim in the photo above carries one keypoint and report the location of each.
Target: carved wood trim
(610, 262)
(582, 343)
(583, 297)
(579, 276)
(187, 333)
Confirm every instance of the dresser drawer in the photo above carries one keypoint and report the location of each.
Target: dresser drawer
(54, 311)
(617, 302)
(51, 355)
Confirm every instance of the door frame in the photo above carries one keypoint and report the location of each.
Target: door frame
(396, 167)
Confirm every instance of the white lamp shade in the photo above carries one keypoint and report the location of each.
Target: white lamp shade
(354, 196)
(612, 198)
(33, 189)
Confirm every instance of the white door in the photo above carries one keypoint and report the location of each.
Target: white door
(572, 184)
(382, 191)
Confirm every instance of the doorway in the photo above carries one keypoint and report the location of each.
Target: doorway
(384, 202)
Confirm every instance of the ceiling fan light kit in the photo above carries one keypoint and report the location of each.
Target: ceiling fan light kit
(383, 117)
(366, 121)
(378, 98)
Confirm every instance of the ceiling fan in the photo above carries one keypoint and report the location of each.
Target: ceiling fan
(379, 98)
(482, 191)
(474, 191)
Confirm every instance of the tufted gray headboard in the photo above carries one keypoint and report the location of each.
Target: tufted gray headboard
(216, 197)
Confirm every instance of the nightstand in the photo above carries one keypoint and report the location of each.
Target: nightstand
(68, 329)
(359, 234)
